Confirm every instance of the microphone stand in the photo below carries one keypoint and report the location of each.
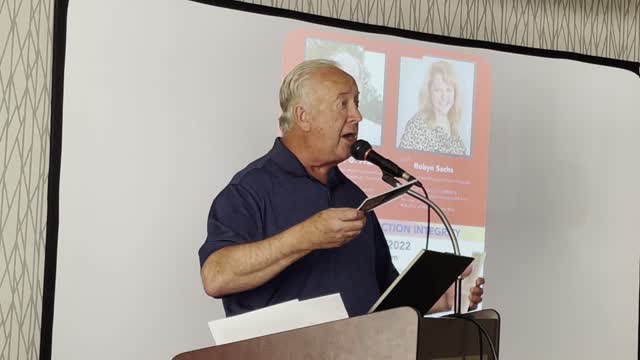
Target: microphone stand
(457, 305)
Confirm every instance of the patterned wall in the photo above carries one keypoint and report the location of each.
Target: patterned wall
(608, 28)
(25, 81)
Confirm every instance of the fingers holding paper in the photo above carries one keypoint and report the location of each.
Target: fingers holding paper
(333, 227)
(473, 297)
(475, 294)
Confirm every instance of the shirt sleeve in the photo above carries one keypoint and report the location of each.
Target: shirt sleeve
(235, 218)
(386, 273)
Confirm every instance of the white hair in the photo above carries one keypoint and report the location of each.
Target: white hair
(294, 87)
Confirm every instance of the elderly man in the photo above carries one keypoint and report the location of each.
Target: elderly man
(286, 226)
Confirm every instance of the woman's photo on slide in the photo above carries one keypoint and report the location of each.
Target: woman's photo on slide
(367, 69)
(435, 106)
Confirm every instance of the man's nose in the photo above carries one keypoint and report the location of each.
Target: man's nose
(355, 116)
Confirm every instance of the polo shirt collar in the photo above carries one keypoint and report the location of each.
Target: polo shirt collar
(290, 163)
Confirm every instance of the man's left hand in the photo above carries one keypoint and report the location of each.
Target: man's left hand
(475, 294)
(445, 303)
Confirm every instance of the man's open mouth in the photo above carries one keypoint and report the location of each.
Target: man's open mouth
(350, 136)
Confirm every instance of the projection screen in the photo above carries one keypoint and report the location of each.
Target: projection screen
(165, 101)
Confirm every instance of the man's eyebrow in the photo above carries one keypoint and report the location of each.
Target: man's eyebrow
(347, 93)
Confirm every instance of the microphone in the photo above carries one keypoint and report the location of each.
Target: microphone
(361, 150)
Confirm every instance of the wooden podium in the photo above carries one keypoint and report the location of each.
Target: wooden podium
(399, 333)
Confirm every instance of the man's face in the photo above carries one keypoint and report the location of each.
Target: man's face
(334, 116)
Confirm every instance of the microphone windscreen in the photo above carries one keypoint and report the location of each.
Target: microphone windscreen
(359, 149)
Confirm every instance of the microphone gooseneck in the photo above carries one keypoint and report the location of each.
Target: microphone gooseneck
(361, 150)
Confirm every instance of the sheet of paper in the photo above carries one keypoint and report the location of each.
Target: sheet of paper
(320, 310)
(373, 202)
(269, 320)
(289, 315)
(470, 281)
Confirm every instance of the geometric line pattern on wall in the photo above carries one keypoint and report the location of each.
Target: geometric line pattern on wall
(605, 28)
(25, 100)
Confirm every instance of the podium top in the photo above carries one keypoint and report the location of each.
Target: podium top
(389, 334)
(393, 334)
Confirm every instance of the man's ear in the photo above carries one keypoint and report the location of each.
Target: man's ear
(302, 117)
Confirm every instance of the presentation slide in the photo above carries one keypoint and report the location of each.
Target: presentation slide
(531, 158)
(427, 109)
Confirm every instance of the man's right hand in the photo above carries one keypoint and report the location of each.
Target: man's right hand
(246, 266)
(332, 228)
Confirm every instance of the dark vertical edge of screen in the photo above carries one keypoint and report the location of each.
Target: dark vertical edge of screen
(634, 67)
(53, 190)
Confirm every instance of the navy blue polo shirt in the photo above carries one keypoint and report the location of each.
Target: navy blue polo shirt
(274, 193)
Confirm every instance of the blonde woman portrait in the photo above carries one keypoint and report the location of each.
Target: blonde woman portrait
(435, 127)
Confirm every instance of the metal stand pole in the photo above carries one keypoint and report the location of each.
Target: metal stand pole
(457, 304)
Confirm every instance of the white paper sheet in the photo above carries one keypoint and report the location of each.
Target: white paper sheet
(289, 315)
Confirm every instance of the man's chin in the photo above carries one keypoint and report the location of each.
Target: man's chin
(344, 153)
